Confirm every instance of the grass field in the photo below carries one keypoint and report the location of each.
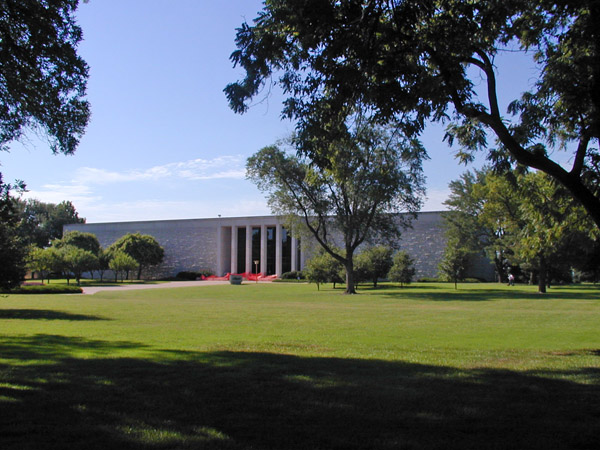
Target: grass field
(278, 366)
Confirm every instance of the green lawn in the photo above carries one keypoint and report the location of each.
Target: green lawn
(283, 366)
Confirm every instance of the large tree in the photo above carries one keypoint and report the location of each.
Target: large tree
(421, 60)
(371, 176)
(12, 248)
(42, 79)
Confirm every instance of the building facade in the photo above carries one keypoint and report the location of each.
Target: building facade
(261, 244)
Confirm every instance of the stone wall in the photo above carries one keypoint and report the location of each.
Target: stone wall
(425, 243)
(189, 244)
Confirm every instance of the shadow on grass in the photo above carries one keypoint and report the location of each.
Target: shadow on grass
(236, 400)
(43, 314)
(487, 293)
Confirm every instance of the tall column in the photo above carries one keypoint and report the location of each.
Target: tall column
(263, 249)
(234, 249)
(249, 263)
(278, 250)
(302, 254)
(219, 267)
(294, 255)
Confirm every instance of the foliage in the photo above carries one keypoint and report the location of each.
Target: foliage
(122, 263)
(192, 276)
(373, 263)
(47, 289)
(79, 239)
(402, 270)
(77, 260)
(323, 268)
(41, 223)
(40, 260)
(143, 248)
(43, 80)
(415, 61)
(520, 218)
(104, 257)
(372, 174)
(187, 275)
(55, 260)
(293, 275)
(12, 248)
(455, 262)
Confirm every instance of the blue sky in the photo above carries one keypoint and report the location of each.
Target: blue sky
(162, 142)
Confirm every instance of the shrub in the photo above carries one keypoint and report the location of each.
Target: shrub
(293, 275)
(187, 276)
(48, 289)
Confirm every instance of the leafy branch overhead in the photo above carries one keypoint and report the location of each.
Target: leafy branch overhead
(42, 79)
(416, 61)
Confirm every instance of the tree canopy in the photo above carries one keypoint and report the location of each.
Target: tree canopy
(79, 239)
(42, 79)
(143, 248)
(420, 60)
(402, 270)
(40, 223)
(12, 248)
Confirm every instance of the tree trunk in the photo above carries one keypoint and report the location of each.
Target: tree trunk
(499, 269)
(350, 288)
(139, 274)
(542, 276)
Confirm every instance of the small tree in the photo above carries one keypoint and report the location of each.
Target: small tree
(374, 263)
(402, 270)
(55, 261)
(143, 248)
(78, 261)
(38, 261)
(122, 263)
(455, 262)
(323, 268)
(103, 261)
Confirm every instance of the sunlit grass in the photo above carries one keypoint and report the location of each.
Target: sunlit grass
(256, 365)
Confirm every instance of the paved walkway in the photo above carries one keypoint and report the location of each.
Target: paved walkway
(172, 284)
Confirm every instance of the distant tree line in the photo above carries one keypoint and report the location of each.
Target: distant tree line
(26, 224)
(31, 238)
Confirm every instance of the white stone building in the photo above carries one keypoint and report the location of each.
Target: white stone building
(235, 244)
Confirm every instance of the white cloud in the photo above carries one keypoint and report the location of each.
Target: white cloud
(80, 195)
(196, 169)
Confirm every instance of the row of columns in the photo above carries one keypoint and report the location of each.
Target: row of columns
(249, 263)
